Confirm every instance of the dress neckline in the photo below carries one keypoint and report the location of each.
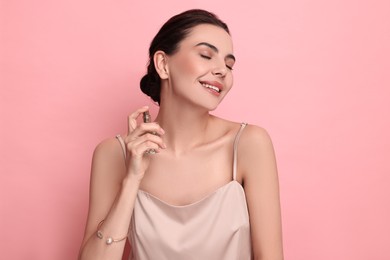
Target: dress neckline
(204, 198)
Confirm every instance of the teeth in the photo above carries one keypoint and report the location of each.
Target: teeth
(211, 87)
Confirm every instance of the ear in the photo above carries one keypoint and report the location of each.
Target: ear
(161, 64)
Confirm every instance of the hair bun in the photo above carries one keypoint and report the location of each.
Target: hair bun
(151, 87)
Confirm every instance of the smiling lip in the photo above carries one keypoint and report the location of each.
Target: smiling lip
(215, 84)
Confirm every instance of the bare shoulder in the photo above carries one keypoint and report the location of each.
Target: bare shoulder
(108, 158)
(255, 137)
(256, 154)
(108, 148)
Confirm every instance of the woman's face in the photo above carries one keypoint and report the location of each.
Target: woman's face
(201, 70)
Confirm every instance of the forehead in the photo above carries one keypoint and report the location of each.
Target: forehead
(212, 34)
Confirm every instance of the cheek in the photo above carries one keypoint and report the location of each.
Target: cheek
(184, 66)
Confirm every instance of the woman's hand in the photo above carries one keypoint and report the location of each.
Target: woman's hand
(139, 139)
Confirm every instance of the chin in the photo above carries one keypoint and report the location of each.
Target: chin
(212, 107)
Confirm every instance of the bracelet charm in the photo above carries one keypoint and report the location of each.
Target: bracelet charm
(99, 234)
(109, 240)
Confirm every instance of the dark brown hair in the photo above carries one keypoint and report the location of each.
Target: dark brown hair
(167, 40)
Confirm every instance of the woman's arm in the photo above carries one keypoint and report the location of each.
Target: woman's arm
(114, 186)
(112, 198)
(256, 162)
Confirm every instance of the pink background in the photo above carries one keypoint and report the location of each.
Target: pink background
(314, 73)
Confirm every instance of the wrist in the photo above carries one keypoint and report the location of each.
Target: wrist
(131, 180)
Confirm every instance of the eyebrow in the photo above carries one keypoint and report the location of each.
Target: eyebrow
(231, 56)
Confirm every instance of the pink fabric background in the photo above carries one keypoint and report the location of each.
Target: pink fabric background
(314, 73)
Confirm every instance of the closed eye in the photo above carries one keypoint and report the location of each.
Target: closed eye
(209, 58)
(205, 56)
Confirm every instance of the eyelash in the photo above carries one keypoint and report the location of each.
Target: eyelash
(205, 56)
(209, 58)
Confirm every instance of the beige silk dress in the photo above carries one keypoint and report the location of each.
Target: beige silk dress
(213, 228)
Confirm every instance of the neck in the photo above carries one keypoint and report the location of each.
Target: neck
(185, 126)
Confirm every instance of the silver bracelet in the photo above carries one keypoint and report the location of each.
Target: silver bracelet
(109, 240)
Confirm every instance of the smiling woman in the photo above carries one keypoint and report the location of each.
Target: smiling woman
(203, 59)
(211, 189)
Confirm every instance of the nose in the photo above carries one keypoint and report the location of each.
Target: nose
(220, 70)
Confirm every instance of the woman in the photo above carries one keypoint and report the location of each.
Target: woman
(210, 190)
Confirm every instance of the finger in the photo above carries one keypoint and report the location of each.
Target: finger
(132, 119)
(144, 128)
(141, 148)
(149, 138)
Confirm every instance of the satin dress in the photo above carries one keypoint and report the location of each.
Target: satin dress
(213, 228)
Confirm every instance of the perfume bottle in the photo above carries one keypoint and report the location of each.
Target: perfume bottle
(146, 117)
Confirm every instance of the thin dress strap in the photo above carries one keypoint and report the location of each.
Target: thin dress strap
(236, 139)
(120, 139)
